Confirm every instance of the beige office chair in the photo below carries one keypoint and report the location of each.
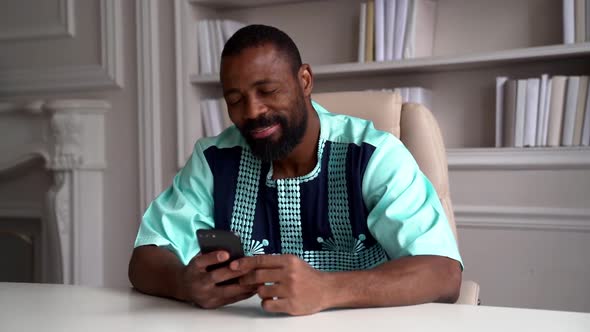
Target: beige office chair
(418, 130)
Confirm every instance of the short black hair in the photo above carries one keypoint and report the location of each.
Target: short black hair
(257, 35)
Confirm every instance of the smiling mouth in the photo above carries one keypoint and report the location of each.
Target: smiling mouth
(264, 132)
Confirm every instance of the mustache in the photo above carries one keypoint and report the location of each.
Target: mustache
(262, 122)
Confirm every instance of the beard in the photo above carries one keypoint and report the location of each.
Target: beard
(292, 132)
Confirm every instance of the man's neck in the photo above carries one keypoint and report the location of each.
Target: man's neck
(303, 158)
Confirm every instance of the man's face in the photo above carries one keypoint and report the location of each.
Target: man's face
(265, 101)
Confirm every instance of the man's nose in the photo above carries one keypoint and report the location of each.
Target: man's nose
(254, 108)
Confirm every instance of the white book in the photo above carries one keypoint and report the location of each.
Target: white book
(362, 32)
(389, 28)
(569, 113)
(419, 40)
(520, 113)
(421, 96)
(213, 50)
(586, 126)
(542, 109)
(580, 108)
(216, 117)
(500, 83)
(229, 27)
(401, 15)
(587, 17)
(510, 91)
(580, 9)
(546, 112)
(220, 42)
(205, 59)
(531, 111)
(405, 94)
(206, 118)
(224, 114)
(379, 30)
(569, 26)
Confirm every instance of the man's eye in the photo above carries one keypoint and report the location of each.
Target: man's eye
(268, 91)
(233, 101)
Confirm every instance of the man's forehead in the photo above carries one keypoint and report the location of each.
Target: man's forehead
(254, 64)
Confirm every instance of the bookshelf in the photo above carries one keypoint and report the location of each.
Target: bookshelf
(475, 41)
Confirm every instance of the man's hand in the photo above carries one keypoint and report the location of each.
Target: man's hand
(296, 289)
(200, 286)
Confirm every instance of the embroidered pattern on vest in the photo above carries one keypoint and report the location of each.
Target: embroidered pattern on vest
(342, 252)
(290, 216)
(246, 195)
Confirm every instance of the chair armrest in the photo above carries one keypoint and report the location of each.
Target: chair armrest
(469, 293)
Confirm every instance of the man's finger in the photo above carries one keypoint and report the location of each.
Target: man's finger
(212, 258)
(272, 291)
(261, 276)
(235, 291)
(223, 274)
(239, 297)
(278, 305)
(259, 262)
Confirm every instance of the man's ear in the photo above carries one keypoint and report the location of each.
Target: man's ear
(306, 79)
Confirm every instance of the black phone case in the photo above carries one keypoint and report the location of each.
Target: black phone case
(215, 239)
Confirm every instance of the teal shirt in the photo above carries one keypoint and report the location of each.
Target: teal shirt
(365, 202)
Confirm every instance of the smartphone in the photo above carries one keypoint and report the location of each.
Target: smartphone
(216, 239)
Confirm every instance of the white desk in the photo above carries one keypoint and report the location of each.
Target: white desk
(34, 307)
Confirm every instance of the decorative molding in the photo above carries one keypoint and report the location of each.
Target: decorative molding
(149, 105)
(508, 217)
(181, 79)
(107, 74)
(111, 13)
(519, 158)
(66, 28)
(20, 209)
(70, 136)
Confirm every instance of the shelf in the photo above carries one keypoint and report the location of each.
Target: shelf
(437, 63)
(221, 4)
(519, 158)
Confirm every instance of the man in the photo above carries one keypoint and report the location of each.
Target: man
(347, 215)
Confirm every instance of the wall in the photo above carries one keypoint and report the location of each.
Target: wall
(42, 54)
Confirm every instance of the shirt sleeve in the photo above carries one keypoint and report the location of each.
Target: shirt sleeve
(172, 219)
(406, 216)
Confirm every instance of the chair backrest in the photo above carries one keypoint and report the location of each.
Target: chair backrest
(413, 124)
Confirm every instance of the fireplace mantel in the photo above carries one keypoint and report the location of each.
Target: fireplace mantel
(69, 135)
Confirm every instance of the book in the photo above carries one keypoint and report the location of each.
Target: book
(580, 108)
(500, 84)
(531, 111)
(362, 32)
(586, 126)
(389, 28)
(580, 12)
(206, 118)
(370, 30)
(401, 16)
(519, 122)
(568, 22)
(213, 48)
(509, 118)
(546, 112)
(420, 95)
(587, 17)
(556, 106)
(419, 40)
(205, 60)
(569, 112)
(225, 115)
(215, 116)
(542, 110)
(379, 30)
